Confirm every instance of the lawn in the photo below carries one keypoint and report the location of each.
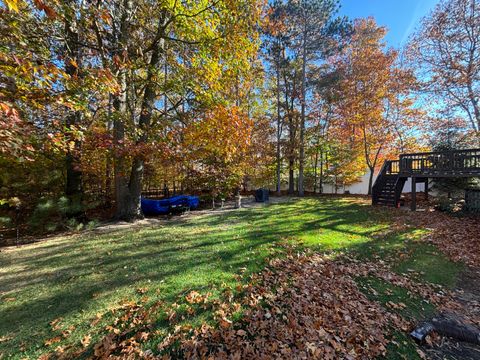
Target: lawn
(56, 292)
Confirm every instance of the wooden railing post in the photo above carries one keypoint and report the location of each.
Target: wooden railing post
(426, 189)
(414, 194)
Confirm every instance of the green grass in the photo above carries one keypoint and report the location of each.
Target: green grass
(407, 254)
(384, 292)
(77, 277)
(402, 346)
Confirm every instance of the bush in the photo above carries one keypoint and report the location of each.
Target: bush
(51, 215)
(5, 221)
(449, 205)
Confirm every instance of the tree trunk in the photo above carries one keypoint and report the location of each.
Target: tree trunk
(122, 193)
(476, 109)
(291, 177)
(108, 160)
(370, 180)
(291, 158)
(301, 191)
(73, 187)
(315, 172)
(279, 134)
(138, 166)
(321, 173)
(289, 103)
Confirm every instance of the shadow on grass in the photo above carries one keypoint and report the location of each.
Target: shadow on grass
(75, 278)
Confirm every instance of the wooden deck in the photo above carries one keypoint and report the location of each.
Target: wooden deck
(460, 163)
(420, 167)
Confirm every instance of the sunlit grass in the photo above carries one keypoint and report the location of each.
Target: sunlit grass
(79, 278)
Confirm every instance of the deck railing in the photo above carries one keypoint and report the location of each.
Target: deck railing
(445, 163)
(393, 167)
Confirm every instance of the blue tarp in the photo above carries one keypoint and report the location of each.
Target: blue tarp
(165, 206)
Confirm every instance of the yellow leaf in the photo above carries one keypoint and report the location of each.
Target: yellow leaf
(12, 5)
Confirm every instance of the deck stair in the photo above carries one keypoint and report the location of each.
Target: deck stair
(388, 187)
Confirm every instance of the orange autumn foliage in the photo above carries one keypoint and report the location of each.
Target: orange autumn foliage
(215, 148)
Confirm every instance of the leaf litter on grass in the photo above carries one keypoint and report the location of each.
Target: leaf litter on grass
(457, 237)
(300, 306)
(304, 305)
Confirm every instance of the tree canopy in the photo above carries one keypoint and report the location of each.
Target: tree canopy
(101, 101)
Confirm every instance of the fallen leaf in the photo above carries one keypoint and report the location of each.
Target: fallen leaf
(86, 341)
(53, 341)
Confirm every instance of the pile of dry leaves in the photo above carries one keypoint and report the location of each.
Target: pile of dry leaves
(303, 306)
(457, 237)
(311, 308)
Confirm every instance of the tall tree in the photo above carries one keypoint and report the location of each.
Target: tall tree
(275, 44)
(322, 112)
(377, 91)
(447, 46)
(48, 84)
(73, 63)
(290, 76)
(211, 46)
(313, 32)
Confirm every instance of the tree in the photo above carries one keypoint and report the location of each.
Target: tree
(73, 63)
(116, 77)
(344, 163)
(209, 45)
(312, 34)
(45, 90)
(378, 89)
(27, 76)
(216, 148)
(323, 105)
(446, 49)
(275, 44)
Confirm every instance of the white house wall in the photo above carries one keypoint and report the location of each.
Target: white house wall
(361, 188)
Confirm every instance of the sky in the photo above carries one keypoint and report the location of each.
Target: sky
(399, 16)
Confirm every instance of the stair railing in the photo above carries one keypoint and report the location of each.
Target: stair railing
(380, 181)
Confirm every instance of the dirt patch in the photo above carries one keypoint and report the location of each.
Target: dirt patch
(228, 206)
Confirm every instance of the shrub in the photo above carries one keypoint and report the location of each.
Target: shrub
(51, 215)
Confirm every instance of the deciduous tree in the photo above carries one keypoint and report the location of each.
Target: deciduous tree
(374, 94)
(446, 50)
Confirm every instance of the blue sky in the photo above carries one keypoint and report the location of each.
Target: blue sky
(399, 16)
